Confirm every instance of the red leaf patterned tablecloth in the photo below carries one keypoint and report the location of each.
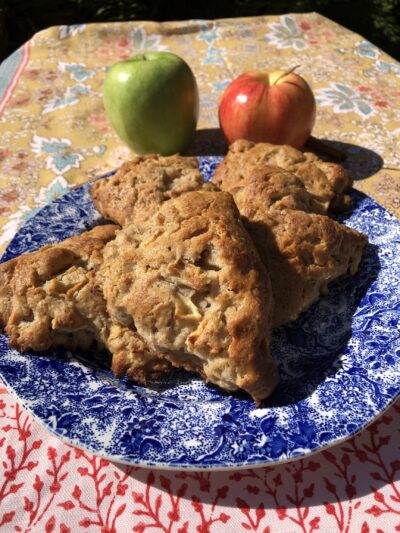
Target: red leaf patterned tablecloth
(47, 485)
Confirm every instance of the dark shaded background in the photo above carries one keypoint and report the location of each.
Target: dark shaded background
(377, 20)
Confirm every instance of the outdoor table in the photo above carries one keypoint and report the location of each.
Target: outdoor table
(54, 135)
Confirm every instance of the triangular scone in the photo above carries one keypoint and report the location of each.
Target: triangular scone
(51, 297)
(302, 251)
(141, 185)
(328, 183)
(191, 282)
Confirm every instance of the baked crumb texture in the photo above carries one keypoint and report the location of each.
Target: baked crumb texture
(327, 183)
(284, 209)
(190, 281)
(52, 297)
(141, 185)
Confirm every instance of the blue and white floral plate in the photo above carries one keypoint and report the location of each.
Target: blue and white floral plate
(339, 366)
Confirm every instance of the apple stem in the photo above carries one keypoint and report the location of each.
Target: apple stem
(285, 74)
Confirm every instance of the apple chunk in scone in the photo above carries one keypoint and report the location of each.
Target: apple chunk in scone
(52, 298)
(190, 281)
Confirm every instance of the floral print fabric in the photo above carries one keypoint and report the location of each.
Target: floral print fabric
(54, 132)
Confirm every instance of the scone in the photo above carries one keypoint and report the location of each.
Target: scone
(192, 284)
(328, 183)
(52, 298)
(278, 189)
(141, 185)
(304, 253)
(302, 250)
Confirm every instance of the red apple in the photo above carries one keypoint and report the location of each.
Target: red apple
(260, 106)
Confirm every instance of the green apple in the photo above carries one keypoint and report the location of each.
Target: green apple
(152, 102)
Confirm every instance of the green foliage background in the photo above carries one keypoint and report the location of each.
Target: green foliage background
(376, 20)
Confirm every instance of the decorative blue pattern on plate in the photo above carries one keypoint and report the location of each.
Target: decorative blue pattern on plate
(339, 365)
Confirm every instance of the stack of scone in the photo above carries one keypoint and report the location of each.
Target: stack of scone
(195, 274)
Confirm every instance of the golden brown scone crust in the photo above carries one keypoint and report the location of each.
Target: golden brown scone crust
(52, 298)
(191, 282)
(328, 183)
(302, 249)
(304, 252)
(278, 188)
(141, 185)
(43, 295)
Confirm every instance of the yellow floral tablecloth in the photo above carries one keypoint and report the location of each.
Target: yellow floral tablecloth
(54, 133)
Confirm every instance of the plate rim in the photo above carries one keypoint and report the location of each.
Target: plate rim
(195, 468)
